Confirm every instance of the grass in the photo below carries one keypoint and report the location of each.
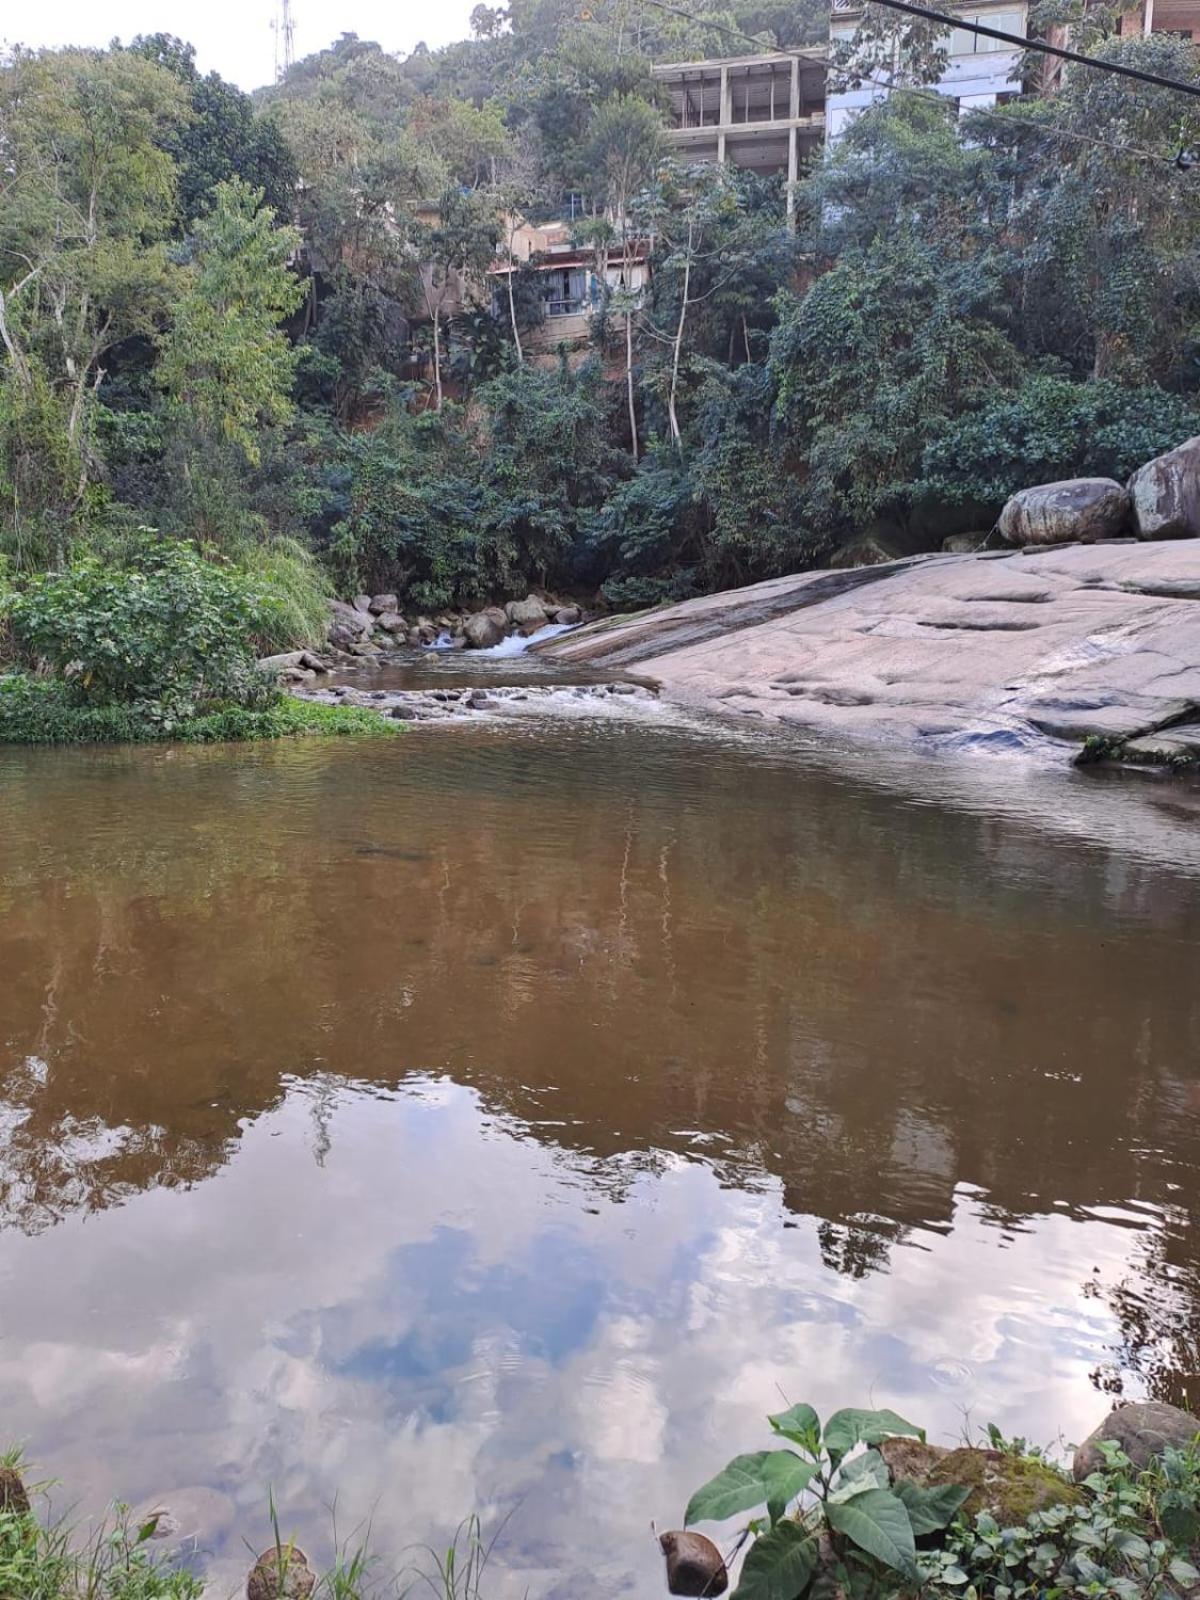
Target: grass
(59, 1562)
(38, 712)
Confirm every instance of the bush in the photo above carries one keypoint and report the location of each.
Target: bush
(41, 711)
(173, 629)
(1052, 428)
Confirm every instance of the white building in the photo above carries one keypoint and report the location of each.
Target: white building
(979, 73)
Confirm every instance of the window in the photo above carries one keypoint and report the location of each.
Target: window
(564, 291)
(965, 43)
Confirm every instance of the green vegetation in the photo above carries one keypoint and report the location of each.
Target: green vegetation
(296, 329)
(994, 1523)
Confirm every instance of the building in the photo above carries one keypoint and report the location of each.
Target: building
(1180, 17)
(570, 278)
(764, 113)
(979, 73)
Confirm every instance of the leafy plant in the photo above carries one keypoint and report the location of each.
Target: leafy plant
(836, 1492)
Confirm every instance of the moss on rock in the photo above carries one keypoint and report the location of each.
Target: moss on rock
(1010, 1487)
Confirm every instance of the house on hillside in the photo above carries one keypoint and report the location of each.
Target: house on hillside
(979, 73)
(1178, 17)
(570, 282)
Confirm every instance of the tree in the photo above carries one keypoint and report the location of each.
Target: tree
(89, 196)
(455, 250)
(226, 365)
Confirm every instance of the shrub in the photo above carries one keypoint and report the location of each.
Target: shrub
(1052, 428)
(173, 629)
(41, 711)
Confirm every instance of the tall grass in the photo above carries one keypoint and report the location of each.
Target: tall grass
(299, 588)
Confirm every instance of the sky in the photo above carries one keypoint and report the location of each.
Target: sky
(235, 37)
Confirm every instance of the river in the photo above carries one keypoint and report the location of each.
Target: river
(505, 1118)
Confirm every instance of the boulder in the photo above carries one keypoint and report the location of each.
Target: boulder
(1166, 494)
(1009, 1487)
(527, 615)
(694, 1564)
(13, 1494)
(390, 622)
(1063, 513)
(868, 551)
(482, 631)
(362, 602)
(1143, 1431)
(963, 544)
(568, 615)
(381, 603)
(281, 1573)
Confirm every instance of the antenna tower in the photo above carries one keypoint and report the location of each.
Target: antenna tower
(283, 25)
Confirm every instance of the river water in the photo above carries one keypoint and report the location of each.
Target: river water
(504, 1118)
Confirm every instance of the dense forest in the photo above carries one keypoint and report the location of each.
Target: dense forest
(227, 318)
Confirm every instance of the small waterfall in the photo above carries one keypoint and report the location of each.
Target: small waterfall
(516, 645)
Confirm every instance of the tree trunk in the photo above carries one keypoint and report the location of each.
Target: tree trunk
(672, 415)
(512, 310)
(633, 428)
(437, 361)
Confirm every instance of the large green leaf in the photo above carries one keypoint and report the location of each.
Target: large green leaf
(930, 1510)
(801, 1425)
(878, 1523)
(847, 1428)
(779, 1566)
(774, 1476)
(860, 1473)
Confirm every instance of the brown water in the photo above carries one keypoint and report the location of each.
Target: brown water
(506, 1118)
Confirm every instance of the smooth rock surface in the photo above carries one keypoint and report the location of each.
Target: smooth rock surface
(1059, 513)
(527, 615)
(946, 652)
(1165, 494)
(1143, 1431)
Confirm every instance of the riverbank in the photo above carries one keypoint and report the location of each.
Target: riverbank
(1030, 652)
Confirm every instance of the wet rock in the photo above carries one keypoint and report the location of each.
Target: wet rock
(1061, 513)
(527, 615)
(281, 1574)
(381, 604)
(482, 631)
(477, 699)
(1143, 1431)
(13, 1494)
(1166, 494)
(694, 1564)
(568, 616)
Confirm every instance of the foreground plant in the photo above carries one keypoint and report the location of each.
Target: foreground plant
(825, 1493)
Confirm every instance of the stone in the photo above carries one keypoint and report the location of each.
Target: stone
(281, 1573)
(13, 1494)
(483, 631)
(498, 614)
(1059, 513)
(1178, 744)
(426, 633)
(865, 552)
(1142, 1430)
(477, 698)
(288, 661)
(383, 603)
(187, 1515)
(969, 544)
(362, 602)
(1009, 1487)
(347, 624)
(694, 1564)
(390, 622)
(568, 616)
(1166, 494)
(527, 615)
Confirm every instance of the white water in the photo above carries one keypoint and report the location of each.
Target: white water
(514, 645)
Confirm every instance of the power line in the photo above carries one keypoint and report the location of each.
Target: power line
(1009, 122)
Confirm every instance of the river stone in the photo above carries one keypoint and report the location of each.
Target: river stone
(1166, 494)
(694, 1564)
(347, 624)
(1143, 1431)
(13, 1494)
(1060, 513)
(527, 615)
(568, 616)
(482, 631)
(281, 1575)
(362, 602)
(390, 622)
(1009, 1487)
(381, 603)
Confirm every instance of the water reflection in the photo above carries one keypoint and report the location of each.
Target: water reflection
(502, 1120)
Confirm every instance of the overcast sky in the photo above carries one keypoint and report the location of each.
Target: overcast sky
(235, 36)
